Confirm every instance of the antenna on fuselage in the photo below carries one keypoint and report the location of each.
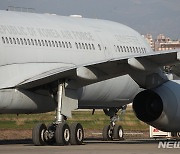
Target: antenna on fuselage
(20, 9)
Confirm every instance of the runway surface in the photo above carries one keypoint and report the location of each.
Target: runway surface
(90, 146)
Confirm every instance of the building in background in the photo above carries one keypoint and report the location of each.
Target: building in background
(162, 42)
(150, 40)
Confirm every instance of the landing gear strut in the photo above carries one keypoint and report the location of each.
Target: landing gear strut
(58, 132)
(113, 131)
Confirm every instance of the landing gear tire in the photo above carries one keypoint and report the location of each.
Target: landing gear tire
(178, 134)
(77, 134)
(175, 134)
(51, 138)
(38, 134)
(62, 134)
(107, 133)
(118, 132)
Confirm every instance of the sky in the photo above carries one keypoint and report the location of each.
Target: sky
(145, 16)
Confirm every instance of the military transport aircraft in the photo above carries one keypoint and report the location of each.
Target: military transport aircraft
(51, 62)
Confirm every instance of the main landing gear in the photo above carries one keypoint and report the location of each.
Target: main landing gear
(61, 134)
(58, 132)
(113, 131)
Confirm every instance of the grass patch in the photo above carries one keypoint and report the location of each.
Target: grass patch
(89, 121)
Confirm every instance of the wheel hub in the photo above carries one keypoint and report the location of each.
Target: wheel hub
(66, 135)
(120, 133)
(79, 134)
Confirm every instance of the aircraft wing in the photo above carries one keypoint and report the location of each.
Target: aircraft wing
(98, 71)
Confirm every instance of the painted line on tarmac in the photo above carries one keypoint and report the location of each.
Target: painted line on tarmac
(124, 133)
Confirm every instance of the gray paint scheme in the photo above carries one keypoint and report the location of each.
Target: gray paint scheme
(102, 78)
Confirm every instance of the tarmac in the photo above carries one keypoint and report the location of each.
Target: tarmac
(90, 146)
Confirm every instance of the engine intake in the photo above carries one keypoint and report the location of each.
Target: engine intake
(160, 107)
(148, 106)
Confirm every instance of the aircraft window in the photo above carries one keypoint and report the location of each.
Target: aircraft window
(14, 40)
(3, 40)
(136, 49)
(70, 45)
(124, 48)
(21, 40)
(46, 43)
(86, 46)
(25, 42)
(17, 40)
(35, 41)
(127, 49)
(130, 49)
(121, 48)
(28, 41)
(56, 44)
(83, 46)
(76, 45)
(60, 44)
(63, 44)
(143, 50)
(66, 45)
(32, 42)
(49, 43)
(93, 47)
(115, 48)
(118, 48)
(10, 40)
(133, 49)
(53, 45)
(39, 42)
(7, 41)
(99, 46)
(42, 42)
(90, 46)
(80, 46)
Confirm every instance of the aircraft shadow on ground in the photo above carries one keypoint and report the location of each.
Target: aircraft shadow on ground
(16, 141)
(88, 141)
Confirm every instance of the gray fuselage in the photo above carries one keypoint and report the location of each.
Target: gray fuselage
(35, 46)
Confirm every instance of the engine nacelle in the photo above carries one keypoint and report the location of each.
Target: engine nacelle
(160, 107)
(19, 102)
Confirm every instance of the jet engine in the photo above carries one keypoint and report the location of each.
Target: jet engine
(160, 107)
(21, 101)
